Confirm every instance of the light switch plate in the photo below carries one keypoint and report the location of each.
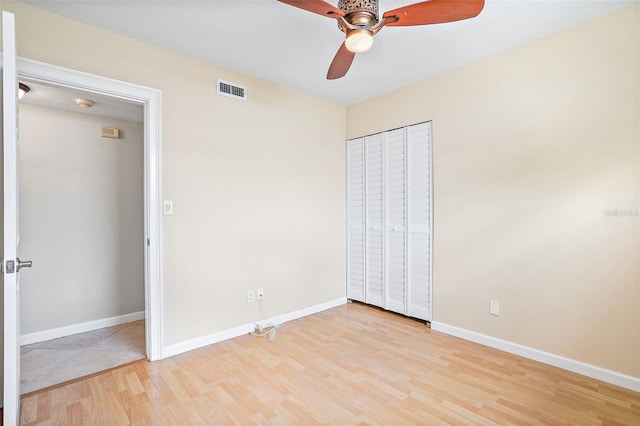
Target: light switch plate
(494, 307)
(167, 207)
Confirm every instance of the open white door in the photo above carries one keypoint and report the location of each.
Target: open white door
(11, 263)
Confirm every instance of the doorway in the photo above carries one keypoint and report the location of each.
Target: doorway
(150, 100)
(82, 218)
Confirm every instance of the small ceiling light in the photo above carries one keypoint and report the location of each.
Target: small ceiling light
(23, 89)
(85, 103)
(359, 41)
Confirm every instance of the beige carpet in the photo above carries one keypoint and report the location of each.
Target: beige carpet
(57, 361)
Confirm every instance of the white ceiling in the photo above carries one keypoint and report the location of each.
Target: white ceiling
(293, 48)
(64, 98)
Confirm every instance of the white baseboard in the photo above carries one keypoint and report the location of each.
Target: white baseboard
(609, 376)
(220, 336)
(54, 333)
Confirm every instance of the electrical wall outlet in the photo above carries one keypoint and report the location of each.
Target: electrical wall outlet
(260, 295)
(494, 307)
(251, 296)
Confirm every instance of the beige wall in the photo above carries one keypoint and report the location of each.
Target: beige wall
(81, 218)
(531, 147)
(257, 186)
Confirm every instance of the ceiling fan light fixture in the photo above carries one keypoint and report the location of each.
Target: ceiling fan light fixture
(359, 41)
(23, 89)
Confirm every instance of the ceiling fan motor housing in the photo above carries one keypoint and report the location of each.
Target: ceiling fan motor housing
(353, 5)
(360, 12)
(349, 6)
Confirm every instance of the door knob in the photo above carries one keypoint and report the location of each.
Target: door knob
(24, 264)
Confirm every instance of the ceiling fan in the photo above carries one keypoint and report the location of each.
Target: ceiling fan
(359, 20)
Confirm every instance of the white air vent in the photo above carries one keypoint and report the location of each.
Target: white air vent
(232, 90)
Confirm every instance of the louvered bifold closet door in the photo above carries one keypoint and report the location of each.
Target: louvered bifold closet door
(419, 220)
(395, 197)
(355, 219)
(374, 241)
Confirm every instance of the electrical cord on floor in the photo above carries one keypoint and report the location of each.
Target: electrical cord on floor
(270, 330)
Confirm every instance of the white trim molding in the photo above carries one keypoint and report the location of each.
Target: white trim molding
(220, 336)
(599, 373)
(55, 333)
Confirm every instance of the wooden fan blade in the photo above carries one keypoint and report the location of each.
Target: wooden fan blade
(341, 63)
(435, 12)
(316, 6)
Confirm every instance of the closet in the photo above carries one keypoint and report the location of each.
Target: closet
(389, 220)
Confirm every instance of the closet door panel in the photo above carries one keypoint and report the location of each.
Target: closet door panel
(374, 196)
(395, 217)
(355, 220)
(389, 220)
(419, 221)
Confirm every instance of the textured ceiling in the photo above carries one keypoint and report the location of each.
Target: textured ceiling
(293, 48)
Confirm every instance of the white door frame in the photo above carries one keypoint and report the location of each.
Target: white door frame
(151, 100)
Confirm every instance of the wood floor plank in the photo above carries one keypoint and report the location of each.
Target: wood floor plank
(350, 365)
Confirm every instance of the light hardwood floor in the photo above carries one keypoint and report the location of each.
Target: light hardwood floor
(349, 365)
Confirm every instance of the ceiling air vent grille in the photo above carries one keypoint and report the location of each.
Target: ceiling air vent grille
(232, 90)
